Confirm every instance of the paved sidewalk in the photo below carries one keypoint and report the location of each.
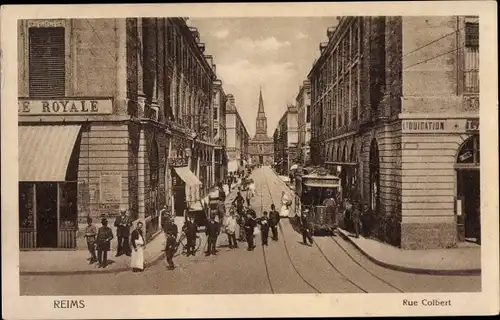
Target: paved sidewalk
(60, 262)
(453, 261)
(75, 261)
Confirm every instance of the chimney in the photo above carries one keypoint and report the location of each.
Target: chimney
(201, 46)
(322, 46)
(329, 32)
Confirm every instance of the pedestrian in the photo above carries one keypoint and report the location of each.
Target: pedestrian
(331, 207)
(366, 220)
(212, 232)
(123, 224)
(229, 181)
(190, 229)
(170, 247)
(221, 211)
(171, 227)
(239, 201)
(249, 226)
(104, 237)
(356, 217)
(347, 215)
(90, 236)
(274, 220)
(285, 204)
(306, 228)
(241, 219)
(137, 241)
(264, 228)
(230, 226)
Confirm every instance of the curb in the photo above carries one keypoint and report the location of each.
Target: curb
(434, 272)
(147, 264)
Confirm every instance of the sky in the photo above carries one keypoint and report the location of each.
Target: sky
(273, 53)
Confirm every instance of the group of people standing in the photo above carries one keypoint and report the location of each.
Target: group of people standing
(129, 244)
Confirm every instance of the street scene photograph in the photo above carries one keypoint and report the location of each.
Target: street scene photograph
(261, 155)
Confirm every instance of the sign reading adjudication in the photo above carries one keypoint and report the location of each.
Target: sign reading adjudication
(66, 107)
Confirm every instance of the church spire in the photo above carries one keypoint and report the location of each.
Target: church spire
(261, 103)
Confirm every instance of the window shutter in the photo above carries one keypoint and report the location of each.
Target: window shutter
(46, 62)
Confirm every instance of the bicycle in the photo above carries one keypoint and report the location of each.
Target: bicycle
(182, 243)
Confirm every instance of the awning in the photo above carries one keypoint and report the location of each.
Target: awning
(188, 176)
(45, 151)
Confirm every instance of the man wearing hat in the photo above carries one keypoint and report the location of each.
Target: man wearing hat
(104, 237)
(123, 224)
(305, 228)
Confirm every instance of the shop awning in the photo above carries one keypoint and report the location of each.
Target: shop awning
(45, 151)
(188, 176)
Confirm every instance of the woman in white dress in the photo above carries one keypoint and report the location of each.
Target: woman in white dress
(285, 204)
(137, 241)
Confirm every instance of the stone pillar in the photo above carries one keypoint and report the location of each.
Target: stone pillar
(141, 175)
(121, 67)
(141, 98)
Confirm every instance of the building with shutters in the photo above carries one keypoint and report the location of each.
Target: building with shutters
(113, 113)
(219, 131)
(303, 103)
(286, 138)
(261, 147)
(385, 100)
(237, 138)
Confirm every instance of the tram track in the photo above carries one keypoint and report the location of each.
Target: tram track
(328, 260)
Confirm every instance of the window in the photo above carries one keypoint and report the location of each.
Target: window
(340, 89)
(354, 94)
(355, 39)
(334, 111)
(471, 68)
(308, 113)
(216, 116)
(347, 96)
(46, 62)
(335, 65)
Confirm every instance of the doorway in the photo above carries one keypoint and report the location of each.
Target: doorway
(46, 200)
(469, 191)
(261, 160)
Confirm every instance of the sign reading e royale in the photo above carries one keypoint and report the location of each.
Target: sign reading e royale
(66, 107)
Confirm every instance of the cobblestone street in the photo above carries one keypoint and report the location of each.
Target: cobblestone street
(332, 265)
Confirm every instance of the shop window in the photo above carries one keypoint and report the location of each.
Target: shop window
(46, 62)
(26, 206)
(68, 205)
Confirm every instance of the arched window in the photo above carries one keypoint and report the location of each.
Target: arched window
(374, 177)
(469, 151)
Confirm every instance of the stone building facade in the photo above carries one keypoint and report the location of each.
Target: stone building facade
(286, 138)
(237, 140)
(303, 103)
(261, 147)
(219, 125)
(122, 108)
(385, 99)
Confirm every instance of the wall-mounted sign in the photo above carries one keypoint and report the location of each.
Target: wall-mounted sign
(178, 162)
(66, 107)
(439, 125)
(110, 188)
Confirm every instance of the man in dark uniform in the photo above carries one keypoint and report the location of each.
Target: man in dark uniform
(190, 229)
(249, 226)
(123, 224)
(305, 228)
(104, 237)
(240, 202)
(356, 218)
(264, 228)
(170, 250)
(171, 227)
(212, 232)
(274, 220)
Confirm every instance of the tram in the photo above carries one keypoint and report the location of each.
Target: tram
(312, 191)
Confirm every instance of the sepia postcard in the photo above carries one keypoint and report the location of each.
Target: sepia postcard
(249, 160)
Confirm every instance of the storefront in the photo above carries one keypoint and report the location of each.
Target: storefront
(48, 185)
